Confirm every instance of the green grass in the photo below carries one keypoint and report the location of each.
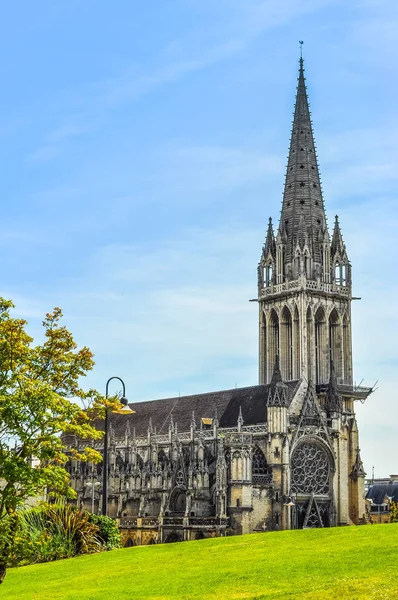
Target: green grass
(340, 563)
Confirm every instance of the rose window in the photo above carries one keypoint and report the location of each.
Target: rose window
(310, 470)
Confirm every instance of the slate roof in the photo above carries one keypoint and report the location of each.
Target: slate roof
(225, 404)
(378, 492)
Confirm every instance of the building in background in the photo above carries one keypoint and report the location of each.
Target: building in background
(279, 455)
(379, 495)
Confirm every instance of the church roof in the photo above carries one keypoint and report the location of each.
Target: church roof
(224, 404)
(378, 493)
(303, 214)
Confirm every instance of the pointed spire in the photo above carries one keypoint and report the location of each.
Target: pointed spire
(269, 246)
(277, 394)
(302, 194)
(240, 419)
(193, 422)
(337, 245)
(276, 375)
(357, 468)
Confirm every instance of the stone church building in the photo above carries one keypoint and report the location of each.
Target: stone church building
(282, 454)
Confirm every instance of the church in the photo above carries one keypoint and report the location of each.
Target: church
(283, 454)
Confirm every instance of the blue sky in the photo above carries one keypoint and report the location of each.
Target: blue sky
(143, 148)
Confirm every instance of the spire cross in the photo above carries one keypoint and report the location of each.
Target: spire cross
(301, 48)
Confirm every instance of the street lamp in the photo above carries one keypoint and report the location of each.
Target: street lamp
(125, 410)
(290, 506)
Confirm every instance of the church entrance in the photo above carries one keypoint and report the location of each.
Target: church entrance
(311, 485)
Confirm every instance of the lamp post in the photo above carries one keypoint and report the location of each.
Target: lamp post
(290, 505)
(125, 410)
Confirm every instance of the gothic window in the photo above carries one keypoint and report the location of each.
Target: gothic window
(178, 501)
(269, 273)
(347, 350)
(320, 346)
(260, 471)
(310, 344)
(296, 344)
(162, 458)
(335, 341)
(263, 342)
(286, 345)
(310, 470)
(273, 343)
(343, 274)
(337, 274)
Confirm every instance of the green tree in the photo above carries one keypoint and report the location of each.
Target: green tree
(394, 512)
(40, 398)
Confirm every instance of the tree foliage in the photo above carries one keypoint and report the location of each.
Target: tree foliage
(40, 398)
(394, 512)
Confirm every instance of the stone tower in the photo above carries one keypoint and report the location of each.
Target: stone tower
(304, 297)
(304, 278)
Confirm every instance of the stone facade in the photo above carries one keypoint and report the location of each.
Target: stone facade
(283, 454)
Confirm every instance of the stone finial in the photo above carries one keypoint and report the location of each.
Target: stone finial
(240, 419)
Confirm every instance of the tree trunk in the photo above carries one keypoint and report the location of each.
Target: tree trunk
(3, 570)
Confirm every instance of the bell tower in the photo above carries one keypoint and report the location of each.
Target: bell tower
(304, 276)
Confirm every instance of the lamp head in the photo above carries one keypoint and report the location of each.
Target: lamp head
(125, 410)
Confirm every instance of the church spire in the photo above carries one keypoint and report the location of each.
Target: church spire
(269, 246)
(337, 245)
(302, 198)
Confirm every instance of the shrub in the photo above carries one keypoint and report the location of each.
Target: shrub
(54, 531)
(108, 531)
(394, 512)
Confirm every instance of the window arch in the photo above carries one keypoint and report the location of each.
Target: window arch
(263, 349)
(178, 501)
(320, 346)
(260, 470)
(347, 364)
(273, 343)
(310, 345)
(286, 355)
(335, 341)
(296, 343)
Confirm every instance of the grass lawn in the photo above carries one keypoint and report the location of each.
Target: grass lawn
(339, 563)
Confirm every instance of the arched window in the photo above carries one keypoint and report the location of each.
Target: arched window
(178, 501)
(273, 343)
(310, 345)
(335, 345)
(296, 344)
(263, 350)
(347, 350)
(286, 355)
(268, 272)
(260, 471)
(321, 360)
(337, 273)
